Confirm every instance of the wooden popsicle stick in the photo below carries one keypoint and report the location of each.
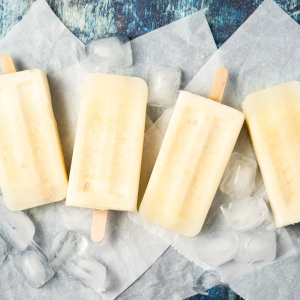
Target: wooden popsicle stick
(7, 64)
(99, 225)
(218, 86)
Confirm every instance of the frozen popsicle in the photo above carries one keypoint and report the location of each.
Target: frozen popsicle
(106, 163)
(193, 157)
(32, 168)
(273, 118)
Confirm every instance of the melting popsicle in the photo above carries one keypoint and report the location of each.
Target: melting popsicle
(273, 118)
(106, 163)
(193, 157)
(32, 168)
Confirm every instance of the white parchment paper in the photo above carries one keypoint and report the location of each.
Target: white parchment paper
(40, 40)
(262, 53)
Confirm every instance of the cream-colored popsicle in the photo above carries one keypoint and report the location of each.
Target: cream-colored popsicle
(32, 168)
(273, 118)
(193, 157)
(106, 163)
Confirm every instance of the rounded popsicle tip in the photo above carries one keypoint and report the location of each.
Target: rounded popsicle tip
(218, 86)
(222, 70)
(5, 57)
(7, 64)
(12, 205)
(132, 83)
(141, 81)
(99, 225)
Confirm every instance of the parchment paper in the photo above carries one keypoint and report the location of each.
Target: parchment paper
(262, 53)
(40, 40)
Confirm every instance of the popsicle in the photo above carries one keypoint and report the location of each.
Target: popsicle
(106, 162)
(193, 157)
(273, 118)
(32, 168)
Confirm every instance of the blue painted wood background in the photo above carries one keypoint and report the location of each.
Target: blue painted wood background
(91, 19)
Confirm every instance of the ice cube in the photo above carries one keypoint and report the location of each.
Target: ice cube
(239, 178)
(17, 229)
(68, 254)
(163, 86)
(256, 245)
(206, 281)
(4, 250)
(88, 271)
(108, 54)
(217, 247)
(33, 266)
(245, 214)
(66, 246)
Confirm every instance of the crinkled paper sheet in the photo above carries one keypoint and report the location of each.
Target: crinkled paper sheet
(262, 53)
(40, 40)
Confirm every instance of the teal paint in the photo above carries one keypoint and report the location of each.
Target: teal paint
(91, 19)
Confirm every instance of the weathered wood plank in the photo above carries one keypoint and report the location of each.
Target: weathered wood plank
(89, 19)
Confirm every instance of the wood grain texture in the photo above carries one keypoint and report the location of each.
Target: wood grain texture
(7, 64)
(91, 19)
(218, 86)
(99, 225)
